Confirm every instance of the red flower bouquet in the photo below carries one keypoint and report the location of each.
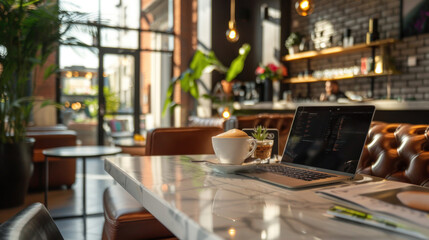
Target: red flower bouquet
(271, 72)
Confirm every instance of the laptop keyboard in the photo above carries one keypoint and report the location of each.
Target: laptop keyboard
(297, 173)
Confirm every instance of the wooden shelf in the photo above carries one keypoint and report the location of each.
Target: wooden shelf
(313, 79)
(336, 50)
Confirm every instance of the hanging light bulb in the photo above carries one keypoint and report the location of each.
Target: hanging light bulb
(232, 34)
(304, 7)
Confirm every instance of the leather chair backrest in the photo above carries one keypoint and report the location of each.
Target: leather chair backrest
(51, 139)
(34, 222)
(397, 152)
(195, 121)
(184, 140)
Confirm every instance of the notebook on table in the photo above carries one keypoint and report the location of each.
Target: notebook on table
(324, 146)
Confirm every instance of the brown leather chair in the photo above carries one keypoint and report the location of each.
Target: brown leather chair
(61, 171)
(185, 140)
(397, 152)
(125, 218)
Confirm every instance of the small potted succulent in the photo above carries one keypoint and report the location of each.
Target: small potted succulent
(264, 146)
(292, 43)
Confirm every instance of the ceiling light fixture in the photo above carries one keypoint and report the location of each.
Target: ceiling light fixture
(232, 34)
(304, 7)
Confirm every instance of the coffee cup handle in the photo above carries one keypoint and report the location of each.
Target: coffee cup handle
(254, 145)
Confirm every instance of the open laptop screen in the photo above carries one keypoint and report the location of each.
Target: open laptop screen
(328, 137)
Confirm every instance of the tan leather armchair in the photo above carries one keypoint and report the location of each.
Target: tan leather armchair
(125, 218)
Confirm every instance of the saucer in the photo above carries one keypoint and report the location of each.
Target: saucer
(216, 166)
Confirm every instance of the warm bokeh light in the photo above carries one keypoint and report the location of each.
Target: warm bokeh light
(88, 75)
(232, 35)
(304, 5)
(76, 106)
(67, 104)
(69, 74)
(226, 114)
(75, 74)
(231, 232)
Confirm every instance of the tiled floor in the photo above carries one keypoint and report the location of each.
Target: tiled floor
(69, 202)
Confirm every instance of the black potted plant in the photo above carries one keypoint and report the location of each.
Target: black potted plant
(29, 33)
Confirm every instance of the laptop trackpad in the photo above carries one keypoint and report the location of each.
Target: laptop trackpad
(290, 182)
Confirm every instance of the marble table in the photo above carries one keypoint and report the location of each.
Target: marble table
(196, 203)
(76, 152)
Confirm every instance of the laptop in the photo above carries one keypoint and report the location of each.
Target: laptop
(324, 146)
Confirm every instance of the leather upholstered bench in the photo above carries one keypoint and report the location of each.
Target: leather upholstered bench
(125, 217)
(397, 152)
(61, 171)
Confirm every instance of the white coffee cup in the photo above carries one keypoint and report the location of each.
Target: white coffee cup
(233, 150)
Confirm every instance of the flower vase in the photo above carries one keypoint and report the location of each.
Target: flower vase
(260, 89)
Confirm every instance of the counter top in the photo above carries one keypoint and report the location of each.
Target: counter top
(196, 203)
(383, 105)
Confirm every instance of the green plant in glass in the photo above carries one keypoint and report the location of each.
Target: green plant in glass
(190, 79)
(264, 146)
(260, 133)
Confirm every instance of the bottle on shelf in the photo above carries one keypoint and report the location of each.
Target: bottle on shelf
(372, 34)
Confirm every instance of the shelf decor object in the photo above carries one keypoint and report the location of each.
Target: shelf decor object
(232, 34)
(379, 66)
(309, 79)
(372, 34)
(337, 50)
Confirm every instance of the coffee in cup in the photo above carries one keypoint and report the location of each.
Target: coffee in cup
(233, 146)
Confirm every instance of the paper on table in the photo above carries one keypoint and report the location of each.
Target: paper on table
(381, 197)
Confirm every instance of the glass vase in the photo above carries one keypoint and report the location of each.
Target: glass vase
(263, 150)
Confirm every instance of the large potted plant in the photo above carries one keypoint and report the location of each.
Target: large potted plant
(29, 33)
(190, 79)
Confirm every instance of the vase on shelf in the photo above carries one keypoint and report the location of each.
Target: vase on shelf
(260, 89)
(276, 90)
(268, 90)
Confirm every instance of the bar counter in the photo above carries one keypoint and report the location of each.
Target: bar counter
(415, 112)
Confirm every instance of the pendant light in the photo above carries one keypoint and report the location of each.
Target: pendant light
(304, 7)
(232, 34)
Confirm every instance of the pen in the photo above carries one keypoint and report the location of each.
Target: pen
(369, 219)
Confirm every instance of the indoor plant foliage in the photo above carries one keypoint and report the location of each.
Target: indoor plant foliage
(29, 33)
(200, 63)
(292, 42)
(260, 133)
